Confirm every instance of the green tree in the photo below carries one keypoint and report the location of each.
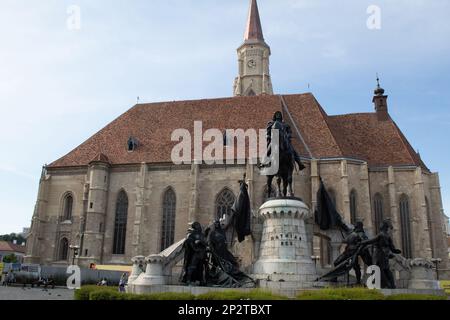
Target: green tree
(11, 237)
(11, 258)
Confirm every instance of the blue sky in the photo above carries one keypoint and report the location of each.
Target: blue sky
(59, 86)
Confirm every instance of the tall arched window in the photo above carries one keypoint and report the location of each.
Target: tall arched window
(378, 210)
(120, 223)
(224, 202)
(405, 223)
(430, 226)
(168, 222)
(353, 207)
(67, 207)
(63, 253)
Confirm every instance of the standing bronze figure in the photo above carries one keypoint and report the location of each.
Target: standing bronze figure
(208, 262)
(353, 250)
(349, 259)
(288, 156)
(195, 258)
(384, 250)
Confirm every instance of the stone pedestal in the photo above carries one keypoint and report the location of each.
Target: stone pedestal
(285, 254)
(153, 275)
(422, 275)
(138, 264)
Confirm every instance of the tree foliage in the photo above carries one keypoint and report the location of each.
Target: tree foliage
(11, 237)
(10, 258)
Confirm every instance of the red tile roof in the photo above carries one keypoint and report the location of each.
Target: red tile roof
(11, 247)
(100, 157)
(360, 136)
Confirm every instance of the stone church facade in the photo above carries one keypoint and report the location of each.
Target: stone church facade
(119, 195)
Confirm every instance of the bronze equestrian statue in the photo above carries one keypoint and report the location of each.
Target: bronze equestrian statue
(287, 157)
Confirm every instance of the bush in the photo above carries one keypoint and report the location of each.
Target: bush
(115, 295)
(318, 295)
(415, 297)
(84, 292)
(446, 286)
(255, 294)
(341, 294)
(162, 296)
(11, 258)
(111, 293)
(106, 295)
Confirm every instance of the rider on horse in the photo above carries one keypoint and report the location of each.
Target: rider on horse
(287, 132)
(286, 157)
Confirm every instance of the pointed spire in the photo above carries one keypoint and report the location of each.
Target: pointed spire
(254, 29)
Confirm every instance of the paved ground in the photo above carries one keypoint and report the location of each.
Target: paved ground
(19, 293)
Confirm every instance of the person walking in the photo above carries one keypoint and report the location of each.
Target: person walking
(123, 282)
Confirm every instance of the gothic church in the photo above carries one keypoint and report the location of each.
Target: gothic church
(118, 194)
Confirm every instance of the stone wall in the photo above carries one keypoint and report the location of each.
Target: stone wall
(196, 188)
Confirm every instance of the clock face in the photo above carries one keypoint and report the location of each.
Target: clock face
(251, 63)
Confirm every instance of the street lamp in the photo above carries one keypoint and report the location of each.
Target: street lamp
(75, 249)
(436, 262)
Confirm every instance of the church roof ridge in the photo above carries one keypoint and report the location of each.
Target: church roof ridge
(353, 114)
(360, 135)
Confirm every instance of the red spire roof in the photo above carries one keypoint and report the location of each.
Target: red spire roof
(254, 29)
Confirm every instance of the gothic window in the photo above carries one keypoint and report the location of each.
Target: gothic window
(224, 202)
(168, 222)
(67, 207)
(378, 209)
(63, 253)
(430, 226)
(353, 208)
(120, 223)
(405, 223)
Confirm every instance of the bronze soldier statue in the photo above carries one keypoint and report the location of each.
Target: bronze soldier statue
(353, 250)
(384, 250)
(195, 261)
(217, 243)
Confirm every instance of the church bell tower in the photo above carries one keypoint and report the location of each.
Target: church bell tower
(253, 59)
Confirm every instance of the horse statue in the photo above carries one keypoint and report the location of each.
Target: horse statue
(287, 157)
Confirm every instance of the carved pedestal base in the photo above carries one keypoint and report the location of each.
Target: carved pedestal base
(138, 264)
(153, 275)
(285, 254)
(422, 275)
